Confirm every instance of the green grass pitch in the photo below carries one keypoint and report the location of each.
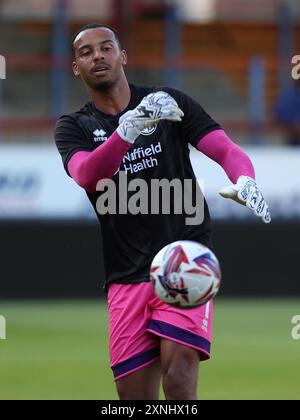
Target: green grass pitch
(60, 351)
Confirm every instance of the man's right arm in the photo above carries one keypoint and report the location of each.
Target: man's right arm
(88, 168)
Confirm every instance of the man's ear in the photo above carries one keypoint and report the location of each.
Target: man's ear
(75, 69)
(124, 57)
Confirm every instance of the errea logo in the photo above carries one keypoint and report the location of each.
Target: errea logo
(100, 135)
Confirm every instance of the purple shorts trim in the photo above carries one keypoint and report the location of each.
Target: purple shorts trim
(180, 335)
(135, 362)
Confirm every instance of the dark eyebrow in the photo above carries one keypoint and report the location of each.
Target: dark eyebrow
(108, 40)
(89, 46)
(84, 46)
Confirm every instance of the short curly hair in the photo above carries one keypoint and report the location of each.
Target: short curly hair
(98, 25)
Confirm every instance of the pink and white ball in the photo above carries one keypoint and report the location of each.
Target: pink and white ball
(185, 274)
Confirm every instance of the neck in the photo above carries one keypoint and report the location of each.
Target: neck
(114, 100)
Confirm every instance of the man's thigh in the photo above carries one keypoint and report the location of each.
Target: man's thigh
(142, 384)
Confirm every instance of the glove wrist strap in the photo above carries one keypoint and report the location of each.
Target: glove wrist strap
(128, 134)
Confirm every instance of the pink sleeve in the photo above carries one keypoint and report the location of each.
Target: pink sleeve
(220, 148)
(88, 168)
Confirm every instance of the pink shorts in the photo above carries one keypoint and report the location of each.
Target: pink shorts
(137, 320)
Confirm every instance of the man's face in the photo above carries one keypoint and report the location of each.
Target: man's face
(98, 58)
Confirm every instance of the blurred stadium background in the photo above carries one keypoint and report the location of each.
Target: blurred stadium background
(235, 58)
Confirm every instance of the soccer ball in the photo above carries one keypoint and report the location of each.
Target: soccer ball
(185, 274)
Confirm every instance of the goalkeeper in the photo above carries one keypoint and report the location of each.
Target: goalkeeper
(150, 341)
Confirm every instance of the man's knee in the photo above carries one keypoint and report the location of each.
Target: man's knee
(180, 372)
(175, 386)
(180, 383)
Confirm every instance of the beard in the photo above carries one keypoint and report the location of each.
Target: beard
(103, 85)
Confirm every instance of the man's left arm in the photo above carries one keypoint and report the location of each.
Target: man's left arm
(198, 124)
(239, 169)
